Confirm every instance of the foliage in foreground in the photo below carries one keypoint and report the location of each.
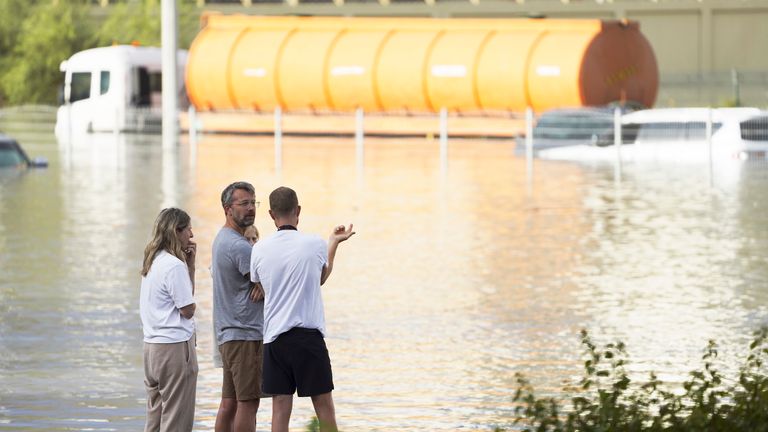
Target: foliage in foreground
(35, 36)
(315, 426)
(607, 400)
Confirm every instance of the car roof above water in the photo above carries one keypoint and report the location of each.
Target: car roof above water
(683, 115)
(6, 141)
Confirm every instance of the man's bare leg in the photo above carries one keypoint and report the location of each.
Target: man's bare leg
(245, 418)
(281, 412)
(325, 411)
(225, 418)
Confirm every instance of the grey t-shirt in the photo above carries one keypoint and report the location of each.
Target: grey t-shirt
(235, 316)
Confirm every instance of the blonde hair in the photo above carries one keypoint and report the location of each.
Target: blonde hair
(165, 236)
(251, 229)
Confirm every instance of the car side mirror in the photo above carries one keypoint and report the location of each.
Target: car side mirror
(38, 162)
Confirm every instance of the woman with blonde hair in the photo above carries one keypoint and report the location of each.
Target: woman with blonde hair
(167, 306)
(251, 234)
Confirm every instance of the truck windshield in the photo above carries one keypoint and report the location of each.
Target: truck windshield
(80, 88)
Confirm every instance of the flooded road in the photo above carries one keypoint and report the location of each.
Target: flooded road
(458, 278)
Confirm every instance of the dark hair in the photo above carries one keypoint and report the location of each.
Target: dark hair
(282, 201)
(226, 194)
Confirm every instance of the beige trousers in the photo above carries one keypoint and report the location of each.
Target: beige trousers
(170, 377)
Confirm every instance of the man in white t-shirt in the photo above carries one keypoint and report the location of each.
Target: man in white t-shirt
(290, 267)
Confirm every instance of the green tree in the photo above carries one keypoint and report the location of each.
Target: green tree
(36, 36)
(12, 15)
(50, 33)
(139, 21)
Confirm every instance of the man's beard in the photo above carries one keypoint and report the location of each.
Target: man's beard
(245, 221)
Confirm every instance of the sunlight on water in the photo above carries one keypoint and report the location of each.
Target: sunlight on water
(456, 280)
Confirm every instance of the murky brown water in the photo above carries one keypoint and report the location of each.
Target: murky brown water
(456, 280)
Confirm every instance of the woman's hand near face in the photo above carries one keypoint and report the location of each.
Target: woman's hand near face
(190, 253)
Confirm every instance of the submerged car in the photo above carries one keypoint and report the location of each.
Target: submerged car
(575, 126)
(13, 156)
(682, 135)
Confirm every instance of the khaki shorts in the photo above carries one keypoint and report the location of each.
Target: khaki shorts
(242, 369)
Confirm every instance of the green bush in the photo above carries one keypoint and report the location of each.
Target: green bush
(140, 22)
(314, 426)
(607, 400)
(35, 36)
(47, 34)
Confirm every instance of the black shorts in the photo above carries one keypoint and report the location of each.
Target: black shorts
(297, 360)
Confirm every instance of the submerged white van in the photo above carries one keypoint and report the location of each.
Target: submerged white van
(116, 88)
(680, 135)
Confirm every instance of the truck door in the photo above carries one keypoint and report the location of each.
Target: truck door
(141, 96)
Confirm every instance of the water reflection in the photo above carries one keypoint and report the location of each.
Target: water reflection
(456, 280)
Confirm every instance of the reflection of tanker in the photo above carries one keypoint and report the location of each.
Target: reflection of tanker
(417, 64)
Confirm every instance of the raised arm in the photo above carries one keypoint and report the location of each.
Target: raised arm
(190, 258)
(188, 311)
(340, 234)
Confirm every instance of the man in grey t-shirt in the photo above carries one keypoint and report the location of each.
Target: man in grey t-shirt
(238, 313)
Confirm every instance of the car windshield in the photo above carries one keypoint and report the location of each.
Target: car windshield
(10, 157)
(572, 126)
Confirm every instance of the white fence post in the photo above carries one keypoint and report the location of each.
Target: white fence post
(443, 139)
(278, 139)
(529, 144)
(359, 138)
(709, 145)
(169, 42)
(192, 125)
(170, 175)
(192, 121)
(617, 143)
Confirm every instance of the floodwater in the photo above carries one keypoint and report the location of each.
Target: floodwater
(460, 275)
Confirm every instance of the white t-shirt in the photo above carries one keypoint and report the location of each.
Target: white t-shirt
(289, 265)
(164, 290)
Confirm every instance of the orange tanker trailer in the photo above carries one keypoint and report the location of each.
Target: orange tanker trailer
(318, 64)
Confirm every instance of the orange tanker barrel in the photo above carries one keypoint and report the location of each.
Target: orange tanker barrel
(351, 69)
(554, 67)
(207, 67)
(418, 64)
(502, 68)
(619, 65)
(400, 70)
(301, 69)
(253, 78)
(451, 70)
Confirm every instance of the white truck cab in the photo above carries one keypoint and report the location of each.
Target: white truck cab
(115, 88)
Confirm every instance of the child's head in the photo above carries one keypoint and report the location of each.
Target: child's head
(251, 234)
